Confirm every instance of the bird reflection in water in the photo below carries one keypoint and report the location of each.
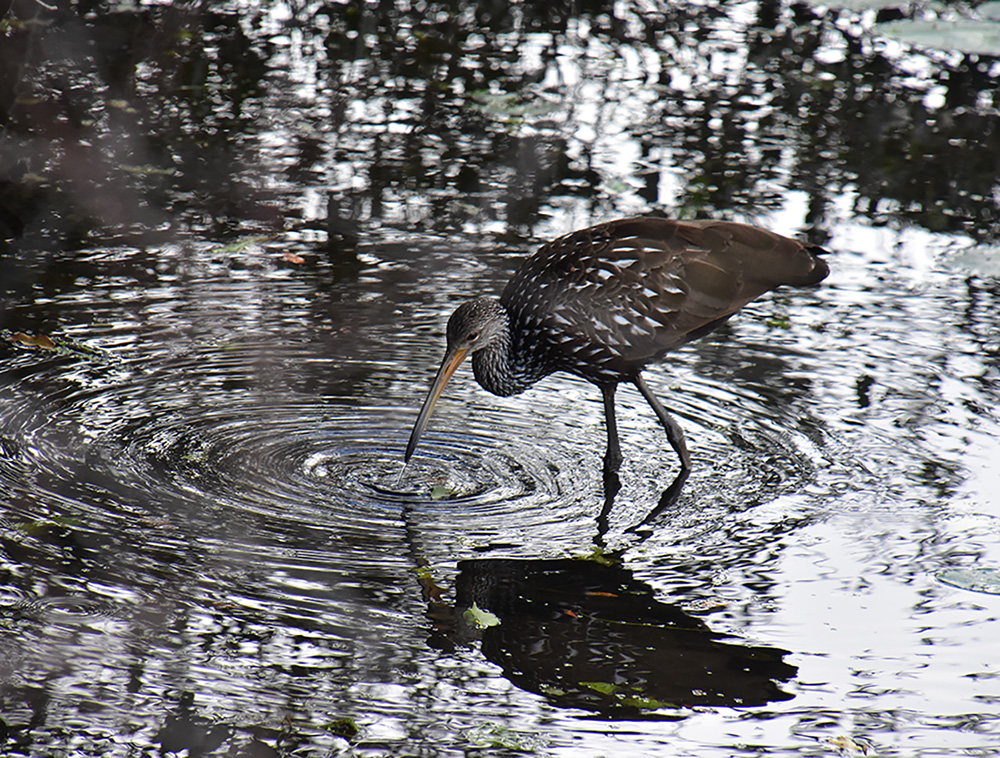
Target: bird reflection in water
(585, 634)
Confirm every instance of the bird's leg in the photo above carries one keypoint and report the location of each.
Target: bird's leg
(612, 458)
(611, 486)
(674, 432)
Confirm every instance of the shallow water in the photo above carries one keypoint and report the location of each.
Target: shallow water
(208, 540)
(209, 524)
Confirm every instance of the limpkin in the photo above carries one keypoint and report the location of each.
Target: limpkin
(604, 302)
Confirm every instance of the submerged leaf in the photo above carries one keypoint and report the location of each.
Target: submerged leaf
(238, 246)
(503, 738)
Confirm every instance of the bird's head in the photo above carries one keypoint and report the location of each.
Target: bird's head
(474, 325)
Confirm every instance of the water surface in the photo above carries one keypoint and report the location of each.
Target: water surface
(209, 541)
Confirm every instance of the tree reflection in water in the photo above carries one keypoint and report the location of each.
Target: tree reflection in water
(161, 119)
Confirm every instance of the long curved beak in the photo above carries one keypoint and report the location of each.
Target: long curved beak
(452, 359)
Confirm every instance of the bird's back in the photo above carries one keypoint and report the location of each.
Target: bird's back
(605, 301)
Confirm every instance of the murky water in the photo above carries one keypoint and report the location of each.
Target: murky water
(208, 540)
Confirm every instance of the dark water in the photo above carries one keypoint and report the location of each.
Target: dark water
(243, 229)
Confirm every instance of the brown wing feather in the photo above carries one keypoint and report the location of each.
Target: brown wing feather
(627, 291)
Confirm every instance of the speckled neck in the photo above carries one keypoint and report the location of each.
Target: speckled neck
(504, 369)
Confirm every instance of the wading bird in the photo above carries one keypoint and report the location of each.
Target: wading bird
(604, 302)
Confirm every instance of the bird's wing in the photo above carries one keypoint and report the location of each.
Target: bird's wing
(640, 287)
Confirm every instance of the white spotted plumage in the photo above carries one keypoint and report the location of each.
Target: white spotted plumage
(606, 301)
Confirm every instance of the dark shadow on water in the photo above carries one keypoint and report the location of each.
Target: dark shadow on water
(588, 634)
(186, 729)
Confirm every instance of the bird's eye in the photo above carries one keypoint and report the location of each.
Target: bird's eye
(472, 337)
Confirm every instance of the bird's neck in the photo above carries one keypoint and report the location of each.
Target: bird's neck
(505, 366)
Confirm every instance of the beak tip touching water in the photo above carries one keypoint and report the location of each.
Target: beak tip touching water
(411, 446)
(452, 360)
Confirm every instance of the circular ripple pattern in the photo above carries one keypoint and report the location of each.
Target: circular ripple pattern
(230, 435)
(100, 447)
(223, 511)
(288, 462)
(69, 610)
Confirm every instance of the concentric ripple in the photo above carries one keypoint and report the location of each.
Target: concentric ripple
(69, 611)
(103, 448)
(292, 463)
(297, 424)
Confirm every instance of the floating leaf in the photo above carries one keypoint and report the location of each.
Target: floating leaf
(851, 746)
(480, 619)
(966, 35)
(46, 526)
(978, 580)
(61, 345)
(598, 555)
(551, 690)
(440, 492)
(646, 703)
(605, 688)
(33, 340)
(293, 258)
(425, 575)
(700, 605)
(978, 260)
(779, 322)
(625, 698)
(345, 727)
